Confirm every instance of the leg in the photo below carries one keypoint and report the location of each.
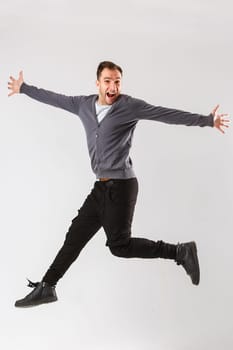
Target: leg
(144, 248)
(120, 202)
(121, 196)
(82, 229)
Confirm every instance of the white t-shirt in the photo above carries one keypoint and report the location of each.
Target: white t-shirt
(101, 111)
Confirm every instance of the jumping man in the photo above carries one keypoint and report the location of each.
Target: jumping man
(109, 119)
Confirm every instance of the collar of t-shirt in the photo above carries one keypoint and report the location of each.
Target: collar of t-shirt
(101, 111)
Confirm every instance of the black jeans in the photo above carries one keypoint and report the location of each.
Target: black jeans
(109, 205)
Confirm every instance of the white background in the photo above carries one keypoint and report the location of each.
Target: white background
(175, 54)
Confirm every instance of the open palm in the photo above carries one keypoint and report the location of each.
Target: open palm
(15, 84)
(219, 121)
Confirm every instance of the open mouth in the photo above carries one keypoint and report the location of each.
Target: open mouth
(111, 95)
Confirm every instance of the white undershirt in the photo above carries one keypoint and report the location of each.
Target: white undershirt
(101, 111)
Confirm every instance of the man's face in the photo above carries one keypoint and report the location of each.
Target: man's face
(109, 85)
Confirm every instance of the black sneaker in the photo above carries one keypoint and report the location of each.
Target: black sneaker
(42, 293)
(186, 255)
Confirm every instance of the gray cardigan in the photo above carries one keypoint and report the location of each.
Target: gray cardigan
(110, 141)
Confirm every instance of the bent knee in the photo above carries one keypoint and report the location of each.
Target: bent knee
(120, 251)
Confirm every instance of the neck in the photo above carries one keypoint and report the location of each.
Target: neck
(101, 102)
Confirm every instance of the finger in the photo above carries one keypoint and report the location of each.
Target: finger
(225, 125)
(221, 126)
(12, 93)
(223, 115)
(11, 78)
(215, 109)
(222, 119)
(21, 74)
(222, 131)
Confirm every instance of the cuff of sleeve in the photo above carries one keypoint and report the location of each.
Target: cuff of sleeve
(22, 88)
(210, 120)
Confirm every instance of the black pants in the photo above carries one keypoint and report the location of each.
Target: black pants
(109, 205)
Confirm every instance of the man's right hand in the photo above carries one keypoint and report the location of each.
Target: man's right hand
(15, 84)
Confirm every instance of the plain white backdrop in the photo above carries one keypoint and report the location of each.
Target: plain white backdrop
(175, 54)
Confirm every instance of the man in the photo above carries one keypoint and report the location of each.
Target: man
(109, 119)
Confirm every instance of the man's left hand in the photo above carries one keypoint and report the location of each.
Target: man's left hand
(219, 121)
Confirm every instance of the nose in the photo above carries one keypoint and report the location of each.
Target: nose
(113, 86)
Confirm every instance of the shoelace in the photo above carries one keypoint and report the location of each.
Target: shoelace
(32, 284)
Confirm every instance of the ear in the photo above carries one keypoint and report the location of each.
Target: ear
(97, 83)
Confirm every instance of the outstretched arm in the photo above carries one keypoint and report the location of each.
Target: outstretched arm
(146, 111)
(69, 103)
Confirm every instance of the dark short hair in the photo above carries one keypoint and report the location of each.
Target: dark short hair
(109, 65)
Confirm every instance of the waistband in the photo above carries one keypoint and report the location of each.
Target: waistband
(108, 182)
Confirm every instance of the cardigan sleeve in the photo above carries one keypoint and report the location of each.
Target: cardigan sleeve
(146, 111)
(68, 103)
